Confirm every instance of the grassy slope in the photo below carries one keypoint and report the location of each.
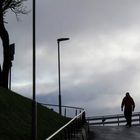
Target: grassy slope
(15, 118)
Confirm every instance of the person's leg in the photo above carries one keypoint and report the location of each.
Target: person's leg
(126, 117)
(129, 118)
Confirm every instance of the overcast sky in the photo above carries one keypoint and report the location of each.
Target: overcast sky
(100, 62)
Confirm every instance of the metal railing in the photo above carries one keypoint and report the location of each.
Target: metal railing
(69, 131)
(67, 111)
(117, 119)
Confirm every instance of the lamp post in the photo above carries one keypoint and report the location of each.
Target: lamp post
(34, 104)
(59, 80)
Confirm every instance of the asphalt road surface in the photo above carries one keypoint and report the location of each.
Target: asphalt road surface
(114, 133)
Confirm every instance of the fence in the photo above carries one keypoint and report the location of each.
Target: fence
(118, 119)
(69, 131)
(67, 111)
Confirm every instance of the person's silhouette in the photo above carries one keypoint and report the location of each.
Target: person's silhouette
(129, 105)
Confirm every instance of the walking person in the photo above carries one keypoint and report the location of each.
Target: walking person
(128, 105)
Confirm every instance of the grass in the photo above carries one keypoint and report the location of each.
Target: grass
(16, 118)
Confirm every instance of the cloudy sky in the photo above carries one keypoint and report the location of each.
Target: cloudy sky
(99, 63)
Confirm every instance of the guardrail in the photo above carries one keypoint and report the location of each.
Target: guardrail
(65, 109)
(117, 119)
(69, 131)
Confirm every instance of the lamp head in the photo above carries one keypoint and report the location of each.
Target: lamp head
(62, 39)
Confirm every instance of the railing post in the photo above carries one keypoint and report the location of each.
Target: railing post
(76, 126)
(103, 120)
(118, 121)
(71, 131)
(83, 118)
(88, 127)
(65, 112)
(68, 133)
(139, 118)
(76, 112)
(61, 136)
(74, 129)
(65, 134)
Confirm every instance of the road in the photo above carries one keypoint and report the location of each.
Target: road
(114, 133)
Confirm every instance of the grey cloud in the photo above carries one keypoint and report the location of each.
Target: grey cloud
(74, 17)
(101, 95)
(99, 62)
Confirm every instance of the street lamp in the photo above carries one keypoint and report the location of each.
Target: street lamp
(58, 41)
(34, 104)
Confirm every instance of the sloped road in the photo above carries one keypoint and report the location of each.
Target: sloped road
(114, 133)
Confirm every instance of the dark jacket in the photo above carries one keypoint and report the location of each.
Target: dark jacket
(128, 103)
